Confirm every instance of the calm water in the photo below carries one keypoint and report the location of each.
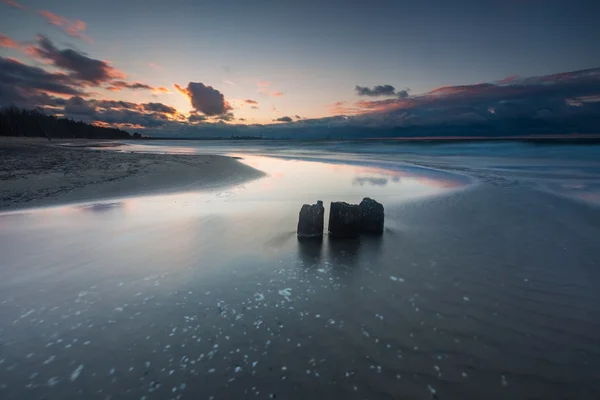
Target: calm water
(470, 293)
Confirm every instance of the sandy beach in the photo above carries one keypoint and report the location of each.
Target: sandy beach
(37, 172)
(478, 289)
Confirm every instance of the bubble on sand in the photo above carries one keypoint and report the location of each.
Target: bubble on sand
(431, 390)
(286, 293)
(76, 373)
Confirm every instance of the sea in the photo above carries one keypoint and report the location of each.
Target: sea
(484, 284)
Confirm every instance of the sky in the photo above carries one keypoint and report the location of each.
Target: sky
(312, 68)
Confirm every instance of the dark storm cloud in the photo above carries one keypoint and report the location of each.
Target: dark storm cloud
(226, 117)
(196, 118)
(78, 106)
(283, 119)
(526, 103)
(159, 107)
(379, 90)
(81, 67)
(120, 113)
(25, 85)
(205, 99)
(114, 104)
(402, 94)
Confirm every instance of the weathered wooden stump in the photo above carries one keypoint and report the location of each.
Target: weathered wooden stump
(372, 216)
(310, 221)
(344, 220)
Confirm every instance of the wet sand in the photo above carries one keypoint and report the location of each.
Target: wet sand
(37, 172)
(475, 291)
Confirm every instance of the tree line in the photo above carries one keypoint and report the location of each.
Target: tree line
(35, 123)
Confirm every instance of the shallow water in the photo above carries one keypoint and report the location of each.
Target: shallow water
(210, 295)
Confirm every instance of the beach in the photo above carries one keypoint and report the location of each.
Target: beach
(484, 284)
(37, 172)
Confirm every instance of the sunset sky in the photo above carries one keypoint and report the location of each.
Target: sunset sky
(183, 66)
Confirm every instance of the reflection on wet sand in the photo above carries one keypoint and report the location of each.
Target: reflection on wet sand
(101, 207)
(370, 180)
(344, 254)
(201, 294)
(310, 251)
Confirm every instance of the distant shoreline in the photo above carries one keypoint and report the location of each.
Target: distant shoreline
(542, 139)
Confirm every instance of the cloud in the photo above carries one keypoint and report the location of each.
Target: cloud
(193, 118)
(402, 94)
(14, 4)
(82, 67)
(78, 106)
(379, 90)
(271, 94)
(263, 88)
(226, 117)
(509, 79)
(517, 94)
(116, 104)
(26, 85)
(115, 86)
(543, 104)
(252, 102)
(266, 92)
(159, 107)
(205, 99)
(283, 119)
(73, 28)
(6, 41)
(122, 114)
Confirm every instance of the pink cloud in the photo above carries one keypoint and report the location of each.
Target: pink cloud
(263, 83)
(73, 28)
(509, 79)
(535, 89)
(15, 4)
(265, 92)
(6, 41)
